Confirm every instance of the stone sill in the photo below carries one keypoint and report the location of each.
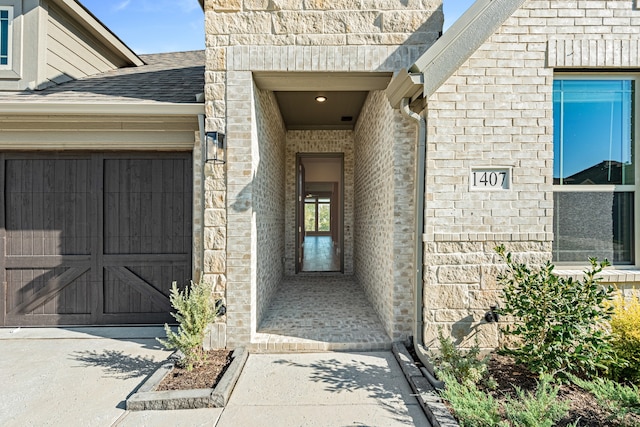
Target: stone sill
(608, 275)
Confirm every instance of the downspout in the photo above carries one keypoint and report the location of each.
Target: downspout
(200, 212)
(419, 179)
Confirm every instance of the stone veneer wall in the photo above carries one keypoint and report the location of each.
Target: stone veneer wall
(496, 110)
(318, 141)
(268, 197)
(383, 217)
(247, 36)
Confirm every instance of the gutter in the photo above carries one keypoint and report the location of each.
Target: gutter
(123, 109)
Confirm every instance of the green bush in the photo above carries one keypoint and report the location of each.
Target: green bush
(541, 409)
(558, 322)
(194, 311)
(466, 367)
(625, 330)
(471, 406)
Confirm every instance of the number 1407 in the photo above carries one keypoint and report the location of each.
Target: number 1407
(497, 179)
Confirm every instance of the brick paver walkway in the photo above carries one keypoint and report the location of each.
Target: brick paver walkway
(320, 313)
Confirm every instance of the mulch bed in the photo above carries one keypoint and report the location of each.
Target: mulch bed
(205, 375)
(582, 405)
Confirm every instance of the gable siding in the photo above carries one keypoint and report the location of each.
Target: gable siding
(497, 110)
(71, 52)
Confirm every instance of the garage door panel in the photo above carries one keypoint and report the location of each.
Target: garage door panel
(95, 238)
(152, 216)
(46, 211)
(141, 289)
(38, 292)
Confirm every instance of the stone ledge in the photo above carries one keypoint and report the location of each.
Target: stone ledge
(488, 237)
(148, 399)
(607, 275)
(433, 407)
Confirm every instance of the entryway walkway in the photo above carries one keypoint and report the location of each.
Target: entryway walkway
(320, 313)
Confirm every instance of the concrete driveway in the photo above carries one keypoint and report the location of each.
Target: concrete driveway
(73, 376)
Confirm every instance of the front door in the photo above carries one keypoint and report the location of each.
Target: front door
(300, 218)
(319, 219)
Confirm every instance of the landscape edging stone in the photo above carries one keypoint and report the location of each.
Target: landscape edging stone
(148, 399)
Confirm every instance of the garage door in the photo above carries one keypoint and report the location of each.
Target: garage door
(93, 239)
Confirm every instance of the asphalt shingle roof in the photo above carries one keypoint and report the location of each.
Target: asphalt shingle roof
(167, 77)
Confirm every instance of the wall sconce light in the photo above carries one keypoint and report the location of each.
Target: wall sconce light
(215, 147)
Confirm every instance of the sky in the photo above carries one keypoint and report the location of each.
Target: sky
(154, 26)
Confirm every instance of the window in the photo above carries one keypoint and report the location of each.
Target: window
(6, 16)
(594, 171)
(317, 215)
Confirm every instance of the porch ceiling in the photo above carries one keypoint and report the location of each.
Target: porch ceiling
(345, 95)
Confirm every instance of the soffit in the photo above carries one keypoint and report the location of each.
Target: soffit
(301, 111)
(345, 93)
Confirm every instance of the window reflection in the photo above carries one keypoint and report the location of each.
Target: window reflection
(593, 137)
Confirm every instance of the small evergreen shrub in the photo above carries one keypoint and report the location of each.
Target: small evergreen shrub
(467, 368)
(471, 406)
(539, 409)
(618, 399)
(625, 331)
(194, 311)
(558, 322)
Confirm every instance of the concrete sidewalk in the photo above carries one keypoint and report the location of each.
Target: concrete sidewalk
(82, 376)
(295, 390)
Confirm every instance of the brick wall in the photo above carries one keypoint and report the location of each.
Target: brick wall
(384, 145)
(268, 197)
(496, 110)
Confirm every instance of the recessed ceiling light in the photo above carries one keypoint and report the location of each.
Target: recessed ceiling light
(321, 98)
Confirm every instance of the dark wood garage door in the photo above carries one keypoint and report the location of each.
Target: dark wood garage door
(93, 239)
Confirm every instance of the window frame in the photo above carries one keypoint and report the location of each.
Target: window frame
(614, 188)
(9, 64)
(315, 201)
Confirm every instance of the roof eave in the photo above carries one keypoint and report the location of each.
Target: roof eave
(117, 109)
(459, 42)
(100, 31)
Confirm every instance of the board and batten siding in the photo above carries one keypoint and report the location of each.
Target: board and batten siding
(71, 52)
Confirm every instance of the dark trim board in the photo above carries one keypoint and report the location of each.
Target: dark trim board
(93, 238)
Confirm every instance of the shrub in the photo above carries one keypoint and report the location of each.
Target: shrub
(194, 311)
(625, 331)
(618, 399)
(471, 406)
(466, 367)
(541, 409)
(558, 322)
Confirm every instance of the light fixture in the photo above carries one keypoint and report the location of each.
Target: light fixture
(321, 98)
(215, 147)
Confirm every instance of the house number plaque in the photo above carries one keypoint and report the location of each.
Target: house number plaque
(490, 179)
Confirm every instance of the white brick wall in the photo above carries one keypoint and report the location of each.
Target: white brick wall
(496, 110)
(384, 155)
(268, 197)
